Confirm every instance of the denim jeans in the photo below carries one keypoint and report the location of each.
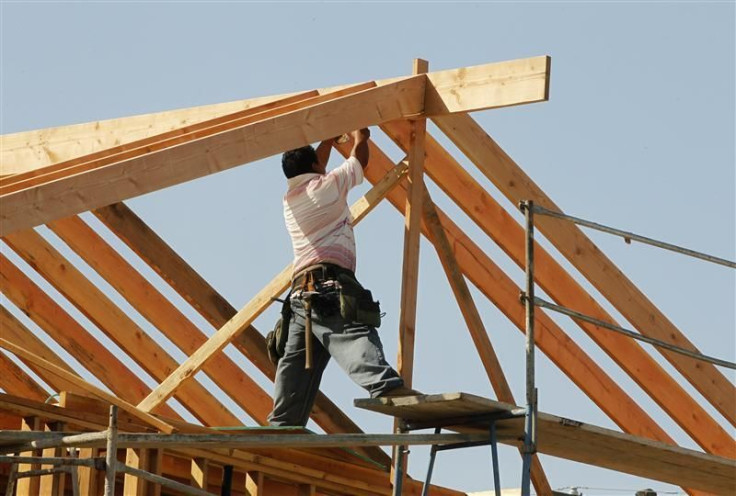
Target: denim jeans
(355, 347)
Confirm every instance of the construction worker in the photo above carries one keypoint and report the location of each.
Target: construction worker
(325, 295)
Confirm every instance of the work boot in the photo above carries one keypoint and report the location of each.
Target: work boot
(400, 391)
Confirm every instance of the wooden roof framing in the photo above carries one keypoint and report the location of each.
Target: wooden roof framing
(50, 176)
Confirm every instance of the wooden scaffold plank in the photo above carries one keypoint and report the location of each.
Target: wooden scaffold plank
(575, 441)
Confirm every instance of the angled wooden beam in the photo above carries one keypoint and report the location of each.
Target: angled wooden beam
(504, 294)
(257, 305)
(177, 137)
(70, 282)
(147, 145)
(243, 144)
(69, 334)
(577, 441)
(475, 325)
(589, 260)
(456, 90)
(140, 238)
(86, 386)
(555, 281)
(158, 310)
(14, 380)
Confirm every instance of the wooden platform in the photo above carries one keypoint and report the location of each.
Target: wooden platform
(573, 440)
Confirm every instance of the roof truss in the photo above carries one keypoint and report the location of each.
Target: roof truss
(51, 176)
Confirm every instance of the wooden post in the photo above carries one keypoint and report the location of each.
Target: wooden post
(200, 473)
(53, 484)
(410, 270)
(88, 477)
(254, 482)
(29, 486)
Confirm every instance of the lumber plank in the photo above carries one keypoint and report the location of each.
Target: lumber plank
(14, 380)
(573, 440)
(40, 362)
(491, 217)
(52, 484)
(166, 140)
(488, 86)
(574, 245)
(70, 335)
(504, 294)
(28, 486)
(143, 143)
(139, 237)
(461, 90)
(152, 305)
(243, 144)
(475, 324)
(251, 310)
(70, 282)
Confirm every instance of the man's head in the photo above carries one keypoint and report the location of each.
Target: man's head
(299, 161)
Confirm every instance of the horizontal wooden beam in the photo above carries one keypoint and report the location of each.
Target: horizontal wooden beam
(574, 245)
(573, 440)
(252, 309)
(177, 164)
(456, 90)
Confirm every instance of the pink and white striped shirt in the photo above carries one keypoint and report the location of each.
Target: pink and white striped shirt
(318, 218)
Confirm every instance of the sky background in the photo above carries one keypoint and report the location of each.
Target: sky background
(638, 133)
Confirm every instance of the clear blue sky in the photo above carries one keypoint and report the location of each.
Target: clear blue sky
(638, 133)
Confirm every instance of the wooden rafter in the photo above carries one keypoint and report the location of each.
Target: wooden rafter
(504, 230)
(69, 334)
(458, 90)
(70, 282)
(18, 334)
(15, 380)
(152, 305)
(239, 145)
(86, 386)
(589, 260)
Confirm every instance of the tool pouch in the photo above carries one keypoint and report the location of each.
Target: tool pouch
(356, 302)
(276, 339)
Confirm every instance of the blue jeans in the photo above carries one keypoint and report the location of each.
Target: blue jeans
(355, 347)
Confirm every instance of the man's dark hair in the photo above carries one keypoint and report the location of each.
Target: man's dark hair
(298, 161)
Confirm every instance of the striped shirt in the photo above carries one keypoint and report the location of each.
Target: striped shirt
(318, 218)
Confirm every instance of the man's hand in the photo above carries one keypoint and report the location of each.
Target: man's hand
(361, 135)
(360, 146)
